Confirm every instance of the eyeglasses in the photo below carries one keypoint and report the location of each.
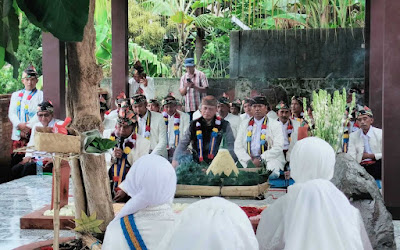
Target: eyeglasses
(43, 115)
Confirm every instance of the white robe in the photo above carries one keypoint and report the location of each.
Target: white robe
(273, 155)
(210, 224)
(158, 139)
(152, 223)
(151, 184)
(32, 109)
(314, 214)
(234, 121)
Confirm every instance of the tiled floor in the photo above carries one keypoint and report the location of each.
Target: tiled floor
(30, 193)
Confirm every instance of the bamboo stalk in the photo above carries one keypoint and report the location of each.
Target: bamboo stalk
(79, 190)
(91, 242)
(56, 201)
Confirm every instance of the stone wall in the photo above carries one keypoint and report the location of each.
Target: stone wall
(5, 133)
(275, 89)
(309, 53)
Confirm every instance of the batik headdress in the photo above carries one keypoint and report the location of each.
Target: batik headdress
(281, 105)
(45, 106)
(364, 110)
(126, 117)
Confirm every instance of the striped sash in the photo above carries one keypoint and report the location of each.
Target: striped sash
(131, 233)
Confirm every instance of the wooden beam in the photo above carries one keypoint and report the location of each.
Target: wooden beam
(119, 30)
(54, 73)
(391, 107)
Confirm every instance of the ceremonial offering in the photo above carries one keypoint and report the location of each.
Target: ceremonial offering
(47, 141)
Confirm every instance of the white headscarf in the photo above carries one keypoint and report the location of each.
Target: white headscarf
(212, 224)
(314, 214)
(150, 182)
(312, 158)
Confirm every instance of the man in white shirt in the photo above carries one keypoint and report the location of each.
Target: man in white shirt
(223, 109)
(140, 83)
(365, 145)
(248, 112)
(151, 125)
(289, 128)
(260, 138)
(27, 166)
(176, 123)
(22, 111)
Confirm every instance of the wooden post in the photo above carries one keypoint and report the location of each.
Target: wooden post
(56, 201)
(119, 31)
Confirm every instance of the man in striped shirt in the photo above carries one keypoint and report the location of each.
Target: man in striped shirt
(193, 86)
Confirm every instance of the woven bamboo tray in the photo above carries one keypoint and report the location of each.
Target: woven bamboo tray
(50, 142)
(226, 191)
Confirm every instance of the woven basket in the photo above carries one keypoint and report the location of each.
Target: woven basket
(50, 142)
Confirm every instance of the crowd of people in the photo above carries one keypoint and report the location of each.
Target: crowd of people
(154, 137)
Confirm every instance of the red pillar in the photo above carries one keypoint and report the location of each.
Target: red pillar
(391, 107)
(119, 30)
(54, 73)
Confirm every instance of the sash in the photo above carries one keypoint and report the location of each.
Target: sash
(131, 233)
(120, 169)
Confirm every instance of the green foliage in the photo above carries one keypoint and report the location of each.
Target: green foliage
(152, 64)
(9, 34)
(191, 173)
(328, 116)
(144, 27)
(65, 19)
(8, 83)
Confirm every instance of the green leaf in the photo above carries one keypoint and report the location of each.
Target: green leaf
(2, 55)
(65, 19)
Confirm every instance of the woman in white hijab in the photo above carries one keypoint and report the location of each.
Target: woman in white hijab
(314, 214)
(211, 224)
(151, 184)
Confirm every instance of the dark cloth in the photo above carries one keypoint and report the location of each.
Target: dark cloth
(20, 170)
(190, 114)
(374, 169)
(190, 137)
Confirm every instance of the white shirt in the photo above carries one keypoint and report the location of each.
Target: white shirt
(148, 91)
(286, 142)
(32, 109)
(142, 124)
(171, 132)
(367, 147)
(244, 116)
(255, 138)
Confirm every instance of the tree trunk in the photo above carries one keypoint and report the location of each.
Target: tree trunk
(84, 76)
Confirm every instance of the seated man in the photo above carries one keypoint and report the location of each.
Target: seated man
(176, 123)
(130, 147)
(223, 111)
(151, 126)
(28, 164)
(205, 134)
(365, 145)
(260, 138)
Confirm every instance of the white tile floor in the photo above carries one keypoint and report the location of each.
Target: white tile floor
(22, 196)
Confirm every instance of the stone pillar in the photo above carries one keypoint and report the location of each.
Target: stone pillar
(54, 73)
(119, 30)
(375, 33)
(390, 106)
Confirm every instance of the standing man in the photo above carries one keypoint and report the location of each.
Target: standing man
(289, 128)
(248, 112)
(22, 111)
(205, 135)
(193, 87)
(176, 124)
(151, 125)
(296, 107)
(223, 110)
(365, 144)
(260, 138)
